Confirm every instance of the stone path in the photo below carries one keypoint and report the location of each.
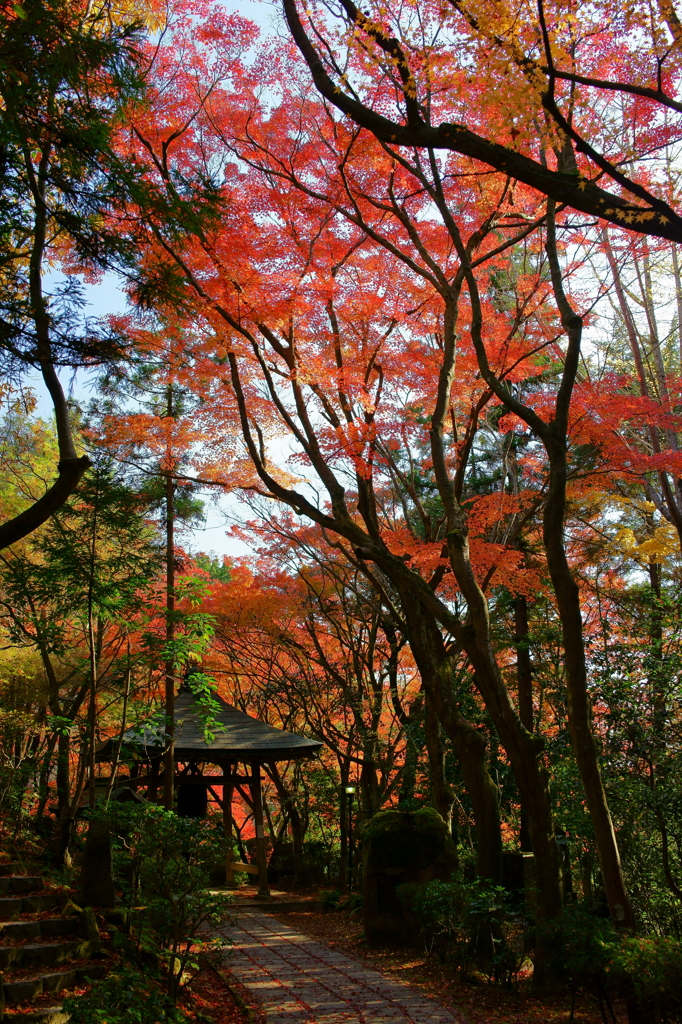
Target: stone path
(301, 981)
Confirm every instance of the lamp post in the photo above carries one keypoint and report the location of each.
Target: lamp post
(350, 792)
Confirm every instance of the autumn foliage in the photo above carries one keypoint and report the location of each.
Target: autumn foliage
(406, 295)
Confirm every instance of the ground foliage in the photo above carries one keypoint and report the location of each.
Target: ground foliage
(125, 996)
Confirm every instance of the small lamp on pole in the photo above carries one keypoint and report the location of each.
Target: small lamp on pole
(350, 793)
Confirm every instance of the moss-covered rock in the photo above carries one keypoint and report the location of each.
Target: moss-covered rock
(401, 847)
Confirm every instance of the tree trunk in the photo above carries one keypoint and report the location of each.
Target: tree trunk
(474, 635)
(92, 710)
(524, 679)
(471, 748)
(554, 436)
(436, 669)
(61, 839)
(440, 793)
(71, 467)
(169, 757)
(578, 700)
(44, 776)
(370, 799)
(343, 834)
(523, 668)
(411, 723)
(119, 742)
(63, 774)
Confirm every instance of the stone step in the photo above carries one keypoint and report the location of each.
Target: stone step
(12, 906)
(44, 1015)
(93, 972)
(36, 971)
(41, 902)
(27, 990)
(20, 931)
(9, 868)
(18, 885)
(57, 927)
(43, 954)
(43, 928)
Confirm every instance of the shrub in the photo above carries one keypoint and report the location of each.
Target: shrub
(581, 947)
(166, 886)
(124, 997)
(334, 899)
(440, 910)
(589, 954)
(650, 968)
(470, 924)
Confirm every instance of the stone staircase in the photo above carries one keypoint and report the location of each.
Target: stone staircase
(45, 948)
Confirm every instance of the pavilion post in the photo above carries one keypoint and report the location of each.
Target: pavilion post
(228, 791)
(257, 797)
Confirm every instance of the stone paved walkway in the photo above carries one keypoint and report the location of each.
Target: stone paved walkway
(301, 981)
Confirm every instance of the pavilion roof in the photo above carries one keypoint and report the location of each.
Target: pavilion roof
(238, 736)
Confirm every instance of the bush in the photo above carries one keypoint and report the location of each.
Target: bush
(334, 899)
(331, 899)
(650, 968)
(469, 924)
(440, 910)
(581, 947)
(165, 877)
(589, 954)
(124, 997)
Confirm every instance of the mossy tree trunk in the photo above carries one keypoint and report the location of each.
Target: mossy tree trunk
(441, 795)
(437, 668)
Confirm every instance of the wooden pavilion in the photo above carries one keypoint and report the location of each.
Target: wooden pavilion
(239, 740)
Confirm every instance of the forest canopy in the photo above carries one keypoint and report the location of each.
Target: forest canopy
(403, 279)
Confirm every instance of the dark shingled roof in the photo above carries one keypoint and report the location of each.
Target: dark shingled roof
(242, 737)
